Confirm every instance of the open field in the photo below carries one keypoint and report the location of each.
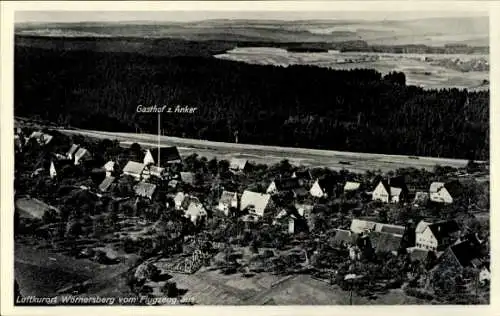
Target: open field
(357, 162)
(420, 72)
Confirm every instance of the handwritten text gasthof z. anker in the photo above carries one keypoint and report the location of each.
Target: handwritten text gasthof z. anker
(184, 109)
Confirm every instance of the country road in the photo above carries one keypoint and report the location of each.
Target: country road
(336, 160)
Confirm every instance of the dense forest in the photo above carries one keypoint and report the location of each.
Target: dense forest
(306, 106)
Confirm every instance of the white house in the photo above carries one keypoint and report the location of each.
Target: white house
(151, 170)
(52, 170)
(238, 164)
(134, 169)
(195, 211)
(359, 226)
(441, 192)
(81, 155)
(109, 167)
(227, 200)
(178, 199)
(436, 236)
(322, 188)
(167, 155)
(41, 138)
(257, 203)
(484, 275)
(350, 186)
(389, 191)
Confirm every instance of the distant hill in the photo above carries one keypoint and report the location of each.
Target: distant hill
(472, 31)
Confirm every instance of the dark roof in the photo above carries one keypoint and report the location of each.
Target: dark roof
(106, 183)
(395, 182)
(393, 229)
(418, 255)
(305, 174)
(167, 154)
(344, 237)
(327, 184)
(384, 242)
(300, 191)
(466, 252)
(454, 188)
(444, 229)
(286, 184)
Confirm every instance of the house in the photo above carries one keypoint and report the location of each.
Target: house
(485, 275)
(359, 226)
(256, 203)
(436, 236)
(238, 164)
(286, 185)
(167, 155)
(52, 170)
(323, 187)
(393, 190)
(106, 183)
(110, 168)
(145, 189)
(421, 199)
(351, 186)
(461, 255)
(396, 230)
(151, 170)
(305, 210)
(416, 254)
(441, 192)
(82, 154)
(344, 238)
(134, 169)
(71, 152)
(385, 242)
(227, 200)
(195, 211)
(41, 138)
(305, 177)
(178, 199)
(32, 208)
(56, 166)
(187, 177)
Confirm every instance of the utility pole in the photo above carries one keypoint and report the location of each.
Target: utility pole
(159, 131)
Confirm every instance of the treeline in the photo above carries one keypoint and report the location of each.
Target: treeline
(306, 106)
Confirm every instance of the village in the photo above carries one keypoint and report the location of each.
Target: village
(251, 228)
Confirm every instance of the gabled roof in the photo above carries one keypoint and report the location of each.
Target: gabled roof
(42, 138)
(259, 201)
(187, 177)
(344, 237)
(72, 150)
(302, 209)
(286, 184)
(444, 229)
(145, 189)
(390, 229)
(466, 253)
(167, 154)
(106, 183)
(109, 166)
(359, 225)
(394, 183)
(195, 209)
(421, 197)
(81, 152)
(417, 254)
(385, 242)
(351, 186)
(133, 167)
(453, 187)
(238, 163)
(421, 226)
(302, 174)
(227, 197)
(327, 184)
(188, 199)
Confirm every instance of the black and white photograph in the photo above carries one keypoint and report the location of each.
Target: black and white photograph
(204, 157)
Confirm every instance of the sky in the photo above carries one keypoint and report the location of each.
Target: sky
(185, 16)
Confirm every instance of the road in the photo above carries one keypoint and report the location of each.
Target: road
(336, 160)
